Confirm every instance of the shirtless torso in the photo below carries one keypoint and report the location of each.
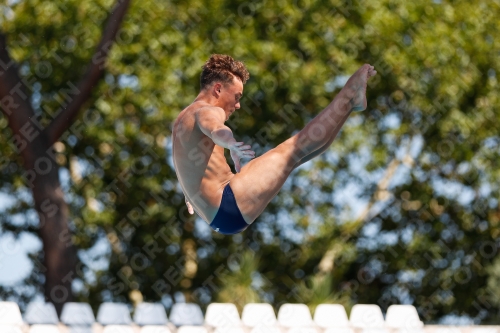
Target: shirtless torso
(200, 164)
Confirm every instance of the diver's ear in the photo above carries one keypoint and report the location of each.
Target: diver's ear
(216, 89)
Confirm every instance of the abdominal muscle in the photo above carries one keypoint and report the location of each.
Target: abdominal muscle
(201, 169)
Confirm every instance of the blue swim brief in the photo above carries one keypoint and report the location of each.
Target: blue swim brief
(228, 220)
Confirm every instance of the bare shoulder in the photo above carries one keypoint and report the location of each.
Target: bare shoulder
(210, 111)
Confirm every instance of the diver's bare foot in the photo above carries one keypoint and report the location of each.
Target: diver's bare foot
(355, 88)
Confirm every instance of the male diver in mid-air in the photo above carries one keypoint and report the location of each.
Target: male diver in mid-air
(231, 202)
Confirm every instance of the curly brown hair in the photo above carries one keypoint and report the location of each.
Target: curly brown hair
(221, 68)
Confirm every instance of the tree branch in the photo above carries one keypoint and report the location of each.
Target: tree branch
(94, 73)
(14, 98)
(381, 194)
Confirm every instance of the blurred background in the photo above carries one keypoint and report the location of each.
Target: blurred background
(402, 209)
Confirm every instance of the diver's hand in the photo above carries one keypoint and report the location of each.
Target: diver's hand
(190, 208)
(238, 151)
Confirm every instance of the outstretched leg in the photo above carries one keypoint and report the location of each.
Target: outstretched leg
(325, 126)
(321, 150)
(262, 178)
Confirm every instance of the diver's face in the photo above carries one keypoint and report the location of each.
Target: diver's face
(230, 95)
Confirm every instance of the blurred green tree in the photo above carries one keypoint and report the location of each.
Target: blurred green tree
(35, 137)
